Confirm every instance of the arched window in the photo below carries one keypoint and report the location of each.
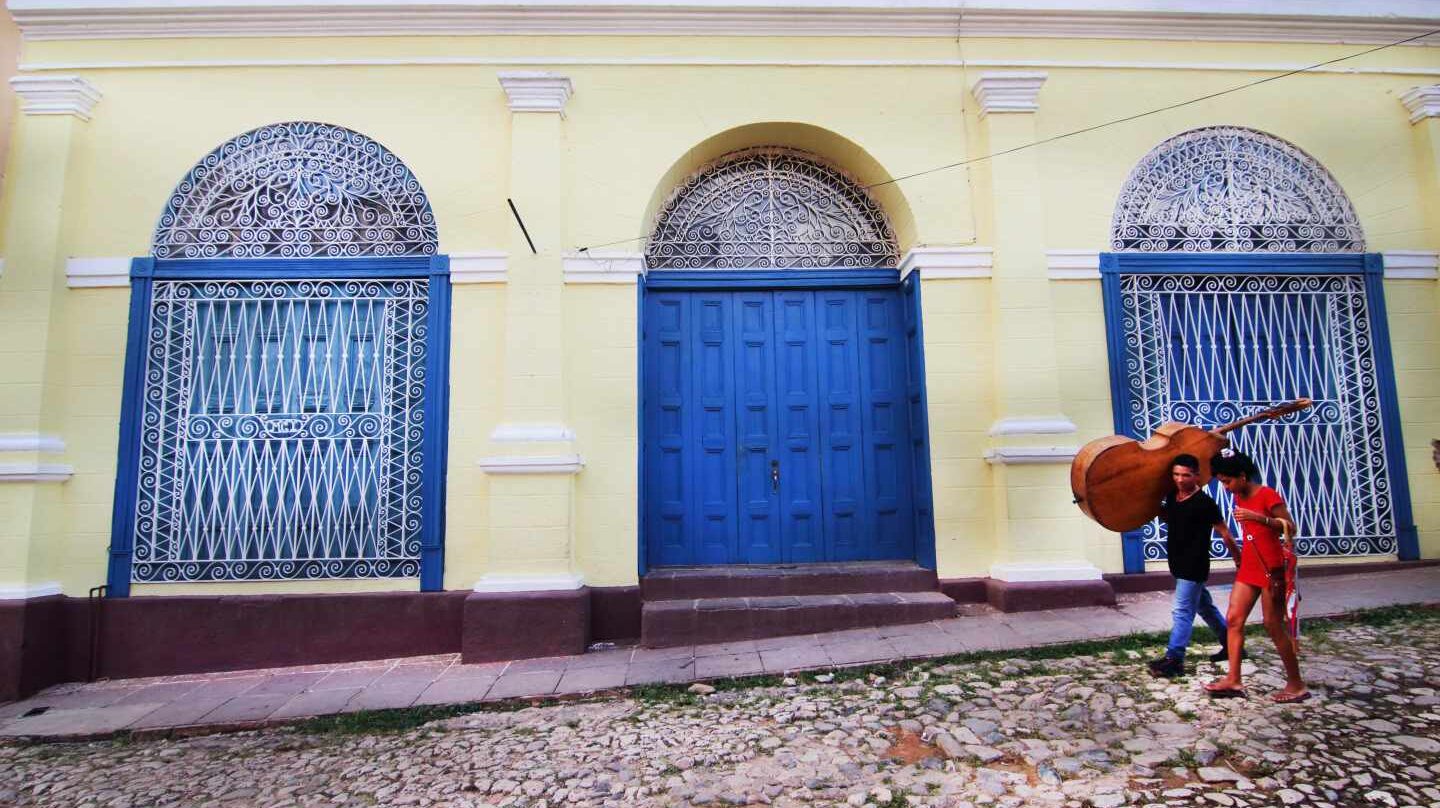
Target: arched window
(297, 190)
(1230, 189)
(1205, 341)
(287, 413)
(771, 208)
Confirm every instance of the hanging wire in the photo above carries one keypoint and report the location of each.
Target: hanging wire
(1106, 124)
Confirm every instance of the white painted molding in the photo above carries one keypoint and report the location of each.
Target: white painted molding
(485, 266)
(536, 91)
(1050, 425)
(56, 95)
(1343, 21)
(543, 464)
(1423, 102)
(1038, 572)
(1008, 91)
(532, 433)
(1073, 265)
(1030, 455)
(29, 591)
(94, 273)
(529, 583)
(721, 61)
(2, 267)
(603, 267)
(31, 442)
(936, 263)
(35, 472)
(1411, 264)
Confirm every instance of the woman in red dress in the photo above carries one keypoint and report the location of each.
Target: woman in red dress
(1262, 515)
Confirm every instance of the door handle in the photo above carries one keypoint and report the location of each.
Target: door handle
(775, 476)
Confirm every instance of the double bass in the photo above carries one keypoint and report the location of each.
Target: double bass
(1119, 481)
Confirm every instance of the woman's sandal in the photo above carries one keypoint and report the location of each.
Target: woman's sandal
(1281, 697)
(1225, 692)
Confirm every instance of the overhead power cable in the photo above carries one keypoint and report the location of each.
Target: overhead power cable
(1113, 122)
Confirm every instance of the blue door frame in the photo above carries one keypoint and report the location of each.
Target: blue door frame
(1368, 266)
(918, 502)
(144, 272)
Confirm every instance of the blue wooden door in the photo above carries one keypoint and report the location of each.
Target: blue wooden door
(777, 427)
(798, 462)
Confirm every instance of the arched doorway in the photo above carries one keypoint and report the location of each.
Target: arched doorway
(781, 376)
(1238, 280)
(284, 413)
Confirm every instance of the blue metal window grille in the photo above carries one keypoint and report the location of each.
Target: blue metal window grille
(298, 189)
(1210, 348)
(282, 430)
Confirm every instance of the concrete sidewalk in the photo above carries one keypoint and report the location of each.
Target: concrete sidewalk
(259, 697)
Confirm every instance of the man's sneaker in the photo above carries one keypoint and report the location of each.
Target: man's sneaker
(1169, 668)
(1157, 662)
(1223, 654)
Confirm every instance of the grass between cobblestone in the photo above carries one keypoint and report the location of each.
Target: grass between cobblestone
(401, 720)
(367, 722)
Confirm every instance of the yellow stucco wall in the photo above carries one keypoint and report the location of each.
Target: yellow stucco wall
(630, 133)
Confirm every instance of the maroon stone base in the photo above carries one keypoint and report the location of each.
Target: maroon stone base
(34, 645)
(966, 590)
(45, 641)
(1222, 573)
(614, 613)
(1009, 596)
(153, 636)
(515, 625)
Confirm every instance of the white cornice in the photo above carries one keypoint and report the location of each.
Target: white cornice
(721, 61)
(1348, 21)
(485, 266)
(1030, 455)
(1411, 264)
(1073, 265)
(603, 267)
(35, 472)
(31, 442)
(935, 263)
(548, 464)
(536, 91)
(56, 95)
(1422, 102)
(91, 273)
(29, 591)
(1008, 90)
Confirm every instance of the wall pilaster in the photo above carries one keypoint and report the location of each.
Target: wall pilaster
(1040, 535)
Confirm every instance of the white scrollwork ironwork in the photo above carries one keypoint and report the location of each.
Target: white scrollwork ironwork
(1210, 349)
(1230, 189)
(297, 190)
(771, 208)
(282, 424)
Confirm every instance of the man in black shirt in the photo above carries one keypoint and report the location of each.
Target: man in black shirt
(1190, 515)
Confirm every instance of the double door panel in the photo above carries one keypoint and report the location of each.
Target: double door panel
(777, 426)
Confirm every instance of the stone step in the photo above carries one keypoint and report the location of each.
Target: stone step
(687, 621)
(786, 579)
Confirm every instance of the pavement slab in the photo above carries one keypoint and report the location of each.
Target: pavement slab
(77, 708)
(1001, 731)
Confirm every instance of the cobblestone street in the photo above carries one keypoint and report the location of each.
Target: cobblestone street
(1029, 729)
